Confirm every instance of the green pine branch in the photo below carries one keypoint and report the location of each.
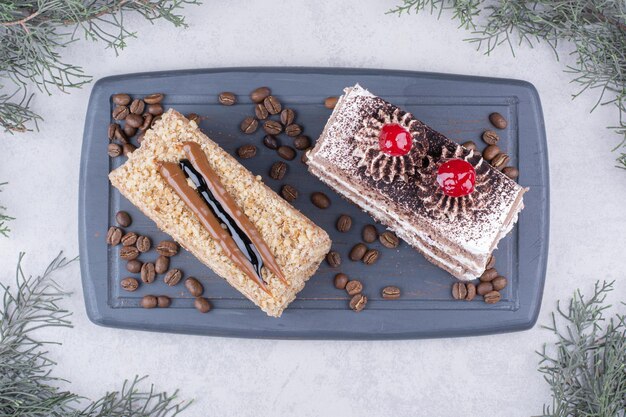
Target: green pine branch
(4, 218)
(595, 30)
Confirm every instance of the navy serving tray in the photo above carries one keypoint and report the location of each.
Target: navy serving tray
(457, 106)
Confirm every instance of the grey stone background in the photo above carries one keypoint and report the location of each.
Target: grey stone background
(480, 376)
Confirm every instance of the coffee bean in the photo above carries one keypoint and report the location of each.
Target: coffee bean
(137, 106)
(490, 137)
(162, 264)
(491, 262)
(287, 116)
(153, 98)
(128, 148)
(144, 244)
(340, 281)
(390, 293)
(202, 304)
(304, 158)
(357, 252)
(148, 273)
(120, 134)
(369, 234)
(129, 284)
(333, 258)
(193, 117)
(293, 130)
(484, 287)
(128, 253)
(120, 99)
(134, 120)
(272, 127)
(370, 257)
(272, 105)
(123, 218)
(167, 248)
(194, 287)
(489, 275)
(302, 142)
(260, 94)
(389, 240)
(286, 152)
(344, 223)
(154, 109)
(129, 132)
(147, 122)
(490, 152)
(163, 301)
(114, 236)
(289, 193)
(459, 291)
(120, 112)
(111, 130)
(498, 120)
(278, 170)
(471, 291)
(154, 120)
(114, 150)
(358, 302)
(320, 200)
(129, 239)
(270, 142)
(227, 98)
(249, 125)
(246, 151)
(492, 297)
(354, 287)
(173, 277)
(330, 102)
(499, 283)
(500, 161)
(149, 301)
(511, 172)
(260, 111)
(469, 145)
(134, 266)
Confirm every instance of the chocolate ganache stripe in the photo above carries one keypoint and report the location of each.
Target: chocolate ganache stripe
(200, 162)
(198, 203)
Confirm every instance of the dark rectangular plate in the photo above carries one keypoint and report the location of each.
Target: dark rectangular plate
(457, 106)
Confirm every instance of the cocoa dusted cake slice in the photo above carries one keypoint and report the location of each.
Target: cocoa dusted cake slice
(443, 199)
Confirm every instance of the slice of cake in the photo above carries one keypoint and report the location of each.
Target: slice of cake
(221, 213)
(439, 197)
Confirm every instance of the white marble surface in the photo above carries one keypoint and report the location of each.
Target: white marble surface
(273, 378)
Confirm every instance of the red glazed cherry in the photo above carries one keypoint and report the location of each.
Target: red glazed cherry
(395, 140)
(456, 177)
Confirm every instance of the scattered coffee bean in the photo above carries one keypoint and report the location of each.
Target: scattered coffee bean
(129, 239)
(149, 301)
(370, 257)
(153, 98)
(193, 117)
(128, 148)
(227, 98)
(492, 297)
(511, 172)
(129, 284)
(260, 111)
(270, 142)
(272, 105)
(120, 134)
(173, 277)
(260, 94)
(344, 223)
(137, 106)
(202, 304)
(123, 218)
(471, 291)
(162, 264)
(498, 120)
(120, 112)
(304, 158)
(389, 240)
(357, 252)
(369, 234)
(287, 116)
(293, 130)
(500, 161)
(129, 131)
(120, 99)
(289, 192)
(148, 273)
(333, 258)
(249, 125)
(340, 281)
(302, 142)
(134, 120)
(163, 301)
(167, 248)
(489, 275)
(491, 262)
(144, 244)
(278, 170)
(320, 200)
(272, 127)
(114, 236)
(354, 287)
(499, 283)
(114, 150)
(246, 151)
(390, 293)
(484, 287)
(154, 109)
(490, 152)
(358, 302)
(286, 152)
(194, 287)
(147, 121)
(490, 137)
(469, 145)
(331, 102)
(154, 120)
(128, 253)
(459, 291)
(111, 130)
(134, 266)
